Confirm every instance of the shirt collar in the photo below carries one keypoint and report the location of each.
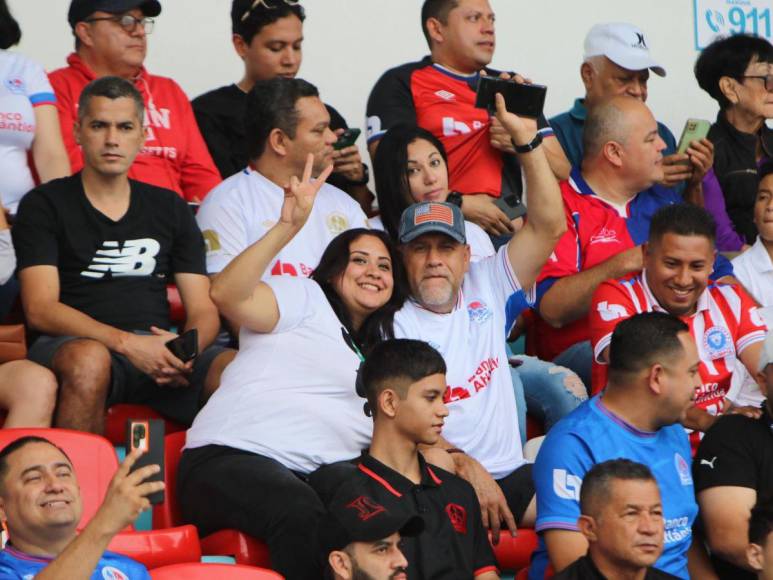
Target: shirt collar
(395, 482)
(578, 110)
(620, 421)
(578, 183)
(24, 556)
(703, 299)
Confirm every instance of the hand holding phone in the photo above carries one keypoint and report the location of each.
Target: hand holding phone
(186, 346)
(694, 130)
(148, 437)
(347, 139)
(524, 100)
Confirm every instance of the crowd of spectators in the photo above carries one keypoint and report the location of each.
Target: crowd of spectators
(353, 398)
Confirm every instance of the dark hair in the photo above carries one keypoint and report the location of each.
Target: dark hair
(248, 17)
(437, 9)
(643, 340)
(112, 88)
(17, 444)
(10, 33)
(398, 363)
(334, 260)
(682, 219)
(390, 172)
(765, 169)
(271, 105)
(761, 521)
(729, 57)
(597, 482)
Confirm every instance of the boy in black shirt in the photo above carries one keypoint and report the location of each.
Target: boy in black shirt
(95, 253)
(404, 381)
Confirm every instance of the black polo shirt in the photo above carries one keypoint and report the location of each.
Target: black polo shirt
(454, 544)
(737, 451)
(585, 569)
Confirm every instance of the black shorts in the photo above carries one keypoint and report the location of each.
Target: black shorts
(519, 490)
(129, 385)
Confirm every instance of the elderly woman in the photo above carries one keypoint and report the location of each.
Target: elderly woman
(738, 73)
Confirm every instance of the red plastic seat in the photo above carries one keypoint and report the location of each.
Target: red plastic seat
(116, 416)
(515, 553)
(243, 548)
(155, 548)
(523, 574)
(210, 571)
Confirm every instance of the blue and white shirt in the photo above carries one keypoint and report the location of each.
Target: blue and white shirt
(17, 565)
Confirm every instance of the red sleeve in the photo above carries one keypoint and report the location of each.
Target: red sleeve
(611, 304)
(66, 106)
(565, 259)
(751, 326)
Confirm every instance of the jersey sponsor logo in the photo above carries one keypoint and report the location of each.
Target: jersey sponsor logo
(478, 311)
(718, 343)
(481, 378)
(452, 128)
(453, 394)
(683, 469)
(135, 258)
(566, 485)
(212, 241)
(445, 95)
(286, 269)
(15, 85)
(709, 463)
(709, 392)
(610, 312)
(676, 529)
(458, 516)
(111, 573)
(604, 236)
(366, 507)
(336, 223)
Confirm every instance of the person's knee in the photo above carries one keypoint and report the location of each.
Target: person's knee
(83, 364)
(570, 382)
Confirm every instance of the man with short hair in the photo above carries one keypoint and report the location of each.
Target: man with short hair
(268, 37)
(438, 94)
(95, 253)
(733, 470)
(760, 551)
(622, 519)
(41, 506)
(111, 40)
(465, 311)
(653, 377)
(608, 204)
(361, 539)
(724, 320)
(285, 122)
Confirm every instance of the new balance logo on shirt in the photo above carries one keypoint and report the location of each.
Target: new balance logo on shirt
(136, 258)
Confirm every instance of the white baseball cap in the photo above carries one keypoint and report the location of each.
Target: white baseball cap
(623, 44)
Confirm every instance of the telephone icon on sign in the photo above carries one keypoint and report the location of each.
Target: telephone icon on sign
(715, 20)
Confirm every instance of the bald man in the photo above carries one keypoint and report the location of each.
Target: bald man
(608, 203)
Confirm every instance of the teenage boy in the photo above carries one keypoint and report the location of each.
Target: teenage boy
(404, 381)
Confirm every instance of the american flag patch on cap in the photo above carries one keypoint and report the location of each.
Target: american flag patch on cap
(433, 212)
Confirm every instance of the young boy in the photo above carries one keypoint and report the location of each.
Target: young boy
(404, 382)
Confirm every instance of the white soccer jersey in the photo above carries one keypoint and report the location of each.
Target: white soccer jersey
(483, 419)
(240, 211)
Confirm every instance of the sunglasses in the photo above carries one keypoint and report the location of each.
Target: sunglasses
(268, 4)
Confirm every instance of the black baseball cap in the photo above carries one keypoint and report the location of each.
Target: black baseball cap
(82, 9)
(356, 516)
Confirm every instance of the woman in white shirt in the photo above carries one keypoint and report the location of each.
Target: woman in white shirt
(287, 404)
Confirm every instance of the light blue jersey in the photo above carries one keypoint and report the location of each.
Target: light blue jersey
(17, 565)
(591, 434)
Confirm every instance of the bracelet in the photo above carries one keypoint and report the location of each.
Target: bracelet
(530, 146)
(455, 450)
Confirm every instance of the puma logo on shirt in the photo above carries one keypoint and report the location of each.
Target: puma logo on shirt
(136, 258)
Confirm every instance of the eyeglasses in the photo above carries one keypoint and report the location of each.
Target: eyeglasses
(768, 80)
(127, 22)
(270, 5)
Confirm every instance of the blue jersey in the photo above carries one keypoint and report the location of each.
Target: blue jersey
(20, 566)
(591, 434)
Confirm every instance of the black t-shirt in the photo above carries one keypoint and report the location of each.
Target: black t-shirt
(454, 544)
(585, 569)
(220, 115)
(114, 271)
(737, 451)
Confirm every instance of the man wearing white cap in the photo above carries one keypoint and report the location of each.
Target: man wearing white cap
(617, 61)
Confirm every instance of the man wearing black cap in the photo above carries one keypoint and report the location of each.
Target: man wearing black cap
(111, 40)
(360, 537)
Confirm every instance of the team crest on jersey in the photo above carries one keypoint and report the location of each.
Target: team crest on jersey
(717, 342)
(458, 516)
(478, 311)
(337, 223)
(683, 469)
(110, 573)
(15, 85)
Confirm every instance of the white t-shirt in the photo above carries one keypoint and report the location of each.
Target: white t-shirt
(240, 211)
(23, 85)
(483, 419)
(478, 240)
(290, 394)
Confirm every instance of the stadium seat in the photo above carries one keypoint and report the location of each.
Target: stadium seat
(157, 548)
(243, 548)
(515, 553)
(212, 571)
(116, 416)
(523, 574)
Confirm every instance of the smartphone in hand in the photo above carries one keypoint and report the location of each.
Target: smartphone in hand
(148, 435)
(186, 346)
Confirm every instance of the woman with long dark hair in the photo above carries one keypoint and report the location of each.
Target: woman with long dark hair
(287, 404)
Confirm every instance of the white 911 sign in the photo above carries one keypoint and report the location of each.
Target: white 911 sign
(715, 18)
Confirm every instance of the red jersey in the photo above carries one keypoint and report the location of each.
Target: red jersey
(430, 96)
(174, 156)
(726, 322)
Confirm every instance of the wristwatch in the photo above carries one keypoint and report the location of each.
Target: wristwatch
(455, 198)
(531, 146)
(363, 181)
